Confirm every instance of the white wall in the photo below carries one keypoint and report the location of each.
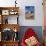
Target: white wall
(38, 21)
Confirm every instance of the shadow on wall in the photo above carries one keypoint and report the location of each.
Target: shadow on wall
(37, 29)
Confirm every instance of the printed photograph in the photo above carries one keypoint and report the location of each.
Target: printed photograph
(29, 12)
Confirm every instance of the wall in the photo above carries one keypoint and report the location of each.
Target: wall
(38, 21)
(45, 13)
(45, 21)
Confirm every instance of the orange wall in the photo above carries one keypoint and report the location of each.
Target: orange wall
(44, 20)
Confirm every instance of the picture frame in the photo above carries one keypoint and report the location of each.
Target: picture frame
(29, 12)
(12, 12)
(5, 12)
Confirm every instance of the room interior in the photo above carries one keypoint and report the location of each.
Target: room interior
(16, 16)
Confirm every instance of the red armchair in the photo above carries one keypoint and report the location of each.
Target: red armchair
(29, 33)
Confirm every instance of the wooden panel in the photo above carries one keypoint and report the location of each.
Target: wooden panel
(45, 37)
(44, 6)
(10, 43)
(11, 26)
(9, 8)
(0, 43)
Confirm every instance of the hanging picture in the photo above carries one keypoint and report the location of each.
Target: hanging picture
(29, 12)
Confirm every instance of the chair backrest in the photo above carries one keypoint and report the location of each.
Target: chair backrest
(29, 32)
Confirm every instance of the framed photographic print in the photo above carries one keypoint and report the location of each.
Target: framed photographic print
(5, 12)
(13, 12)
(29, 12)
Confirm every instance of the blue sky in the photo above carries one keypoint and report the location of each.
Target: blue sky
(29, 8)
